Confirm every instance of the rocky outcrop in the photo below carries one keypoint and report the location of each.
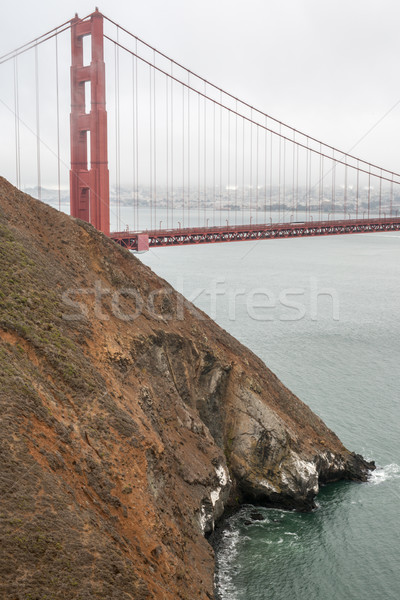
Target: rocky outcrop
(130, 421)
(277, 450)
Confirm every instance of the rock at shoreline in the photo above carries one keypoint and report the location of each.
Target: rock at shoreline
(130, 421)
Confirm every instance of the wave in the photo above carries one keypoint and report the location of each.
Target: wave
(382, 474)
(225, 588)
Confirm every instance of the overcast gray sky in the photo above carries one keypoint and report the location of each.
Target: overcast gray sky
(327, 68)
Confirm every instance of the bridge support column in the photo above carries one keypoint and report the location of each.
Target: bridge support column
(89, 184)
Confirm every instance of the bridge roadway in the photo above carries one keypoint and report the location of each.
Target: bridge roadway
(140, 241)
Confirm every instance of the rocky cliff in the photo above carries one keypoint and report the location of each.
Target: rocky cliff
(129, 422)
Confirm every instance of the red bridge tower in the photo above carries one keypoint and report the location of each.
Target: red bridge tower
(89, 185)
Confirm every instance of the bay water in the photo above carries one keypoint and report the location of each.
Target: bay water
(323, 314)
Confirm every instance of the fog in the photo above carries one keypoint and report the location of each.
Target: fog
(328, 69)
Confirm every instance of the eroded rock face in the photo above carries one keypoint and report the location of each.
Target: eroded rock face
(278, 451)
(125, 432)
(281, 459)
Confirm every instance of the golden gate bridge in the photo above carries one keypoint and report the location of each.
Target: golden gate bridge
(190, 162)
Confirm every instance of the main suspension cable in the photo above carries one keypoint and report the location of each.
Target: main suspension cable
(36, 42)
(245, 104)
(303, 145)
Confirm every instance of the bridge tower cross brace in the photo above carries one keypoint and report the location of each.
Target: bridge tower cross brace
(89, 184)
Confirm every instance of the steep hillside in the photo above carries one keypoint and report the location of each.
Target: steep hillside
(129, 421)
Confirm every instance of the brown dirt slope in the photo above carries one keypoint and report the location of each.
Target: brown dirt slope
(123, 439)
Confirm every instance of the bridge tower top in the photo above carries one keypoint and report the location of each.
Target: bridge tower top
(89, 183)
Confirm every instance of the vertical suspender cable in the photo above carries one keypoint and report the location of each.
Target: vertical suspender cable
(310, 184)
(183, 156)
(391, 199)
(151, 148)
(188, 151)
(279, 173)
(228, 188)
(380, 194)
(345, 189)
(205, 155)
(58, 129)
(333, 183)
(117, 135)
(369, 188)
(137, 148)
(265, 169)
(284, 181)
(297, 181)
(220, 161)
(358, 186)
(117, 146)
(137, 139)
(119, 142)
(293, 172)
(243, 166)
(214, 161)
(321, 182)
(198, 158)
(167, 145)
(236, 164)
(270, 178)
(155, 143)
(257, 170)
(307, 186)
(251, 166)
(134, 133)
(39, 184)
(172, 145)
(17, 133)
(133, 145)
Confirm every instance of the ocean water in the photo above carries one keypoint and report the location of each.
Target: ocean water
(323, 314)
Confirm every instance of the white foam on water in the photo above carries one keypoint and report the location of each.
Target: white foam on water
(382, 474)
(227, 551)
(266, 542)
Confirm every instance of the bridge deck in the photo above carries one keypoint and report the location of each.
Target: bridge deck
(143, 240)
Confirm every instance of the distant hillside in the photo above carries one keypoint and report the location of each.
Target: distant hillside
(130, 421)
